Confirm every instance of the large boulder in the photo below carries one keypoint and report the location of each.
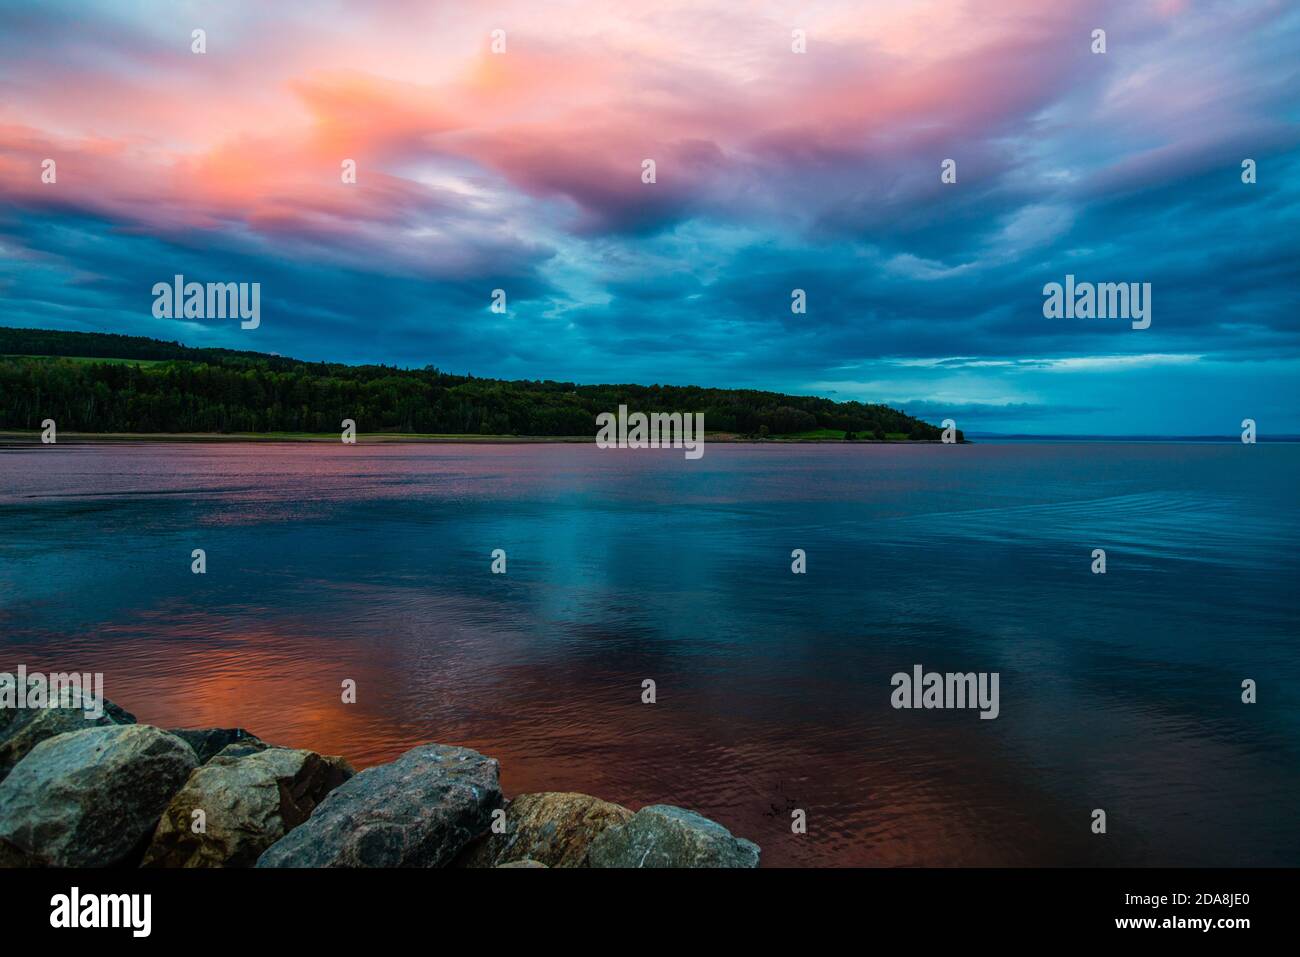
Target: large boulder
(21, 729)
(248, 802)
(209, 742)
(91, 798)
(555, 828)
(665, 836)
(419, 811)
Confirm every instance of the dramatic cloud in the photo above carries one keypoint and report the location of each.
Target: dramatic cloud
(776, 171)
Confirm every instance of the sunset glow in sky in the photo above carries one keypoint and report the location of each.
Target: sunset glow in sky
(776, 171)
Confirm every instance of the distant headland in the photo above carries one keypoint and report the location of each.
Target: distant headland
(106, 386)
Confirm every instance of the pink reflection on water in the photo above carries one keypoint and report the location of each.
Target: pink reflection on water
(555, 730)
(435, 661)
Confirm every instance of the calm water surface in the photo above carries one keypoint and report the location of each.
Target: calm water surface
(328, 562)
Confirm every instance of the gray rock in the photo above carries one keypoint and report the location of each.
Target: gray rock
(91, 798)
(209, 742)
(527, 863)
(242, 749)
(553, 827)
(21, 729)
(665, 836)
(249, 802)
(419, 811)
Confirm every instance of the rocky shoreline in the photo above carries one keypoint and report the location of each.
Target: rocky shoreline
(109, 792)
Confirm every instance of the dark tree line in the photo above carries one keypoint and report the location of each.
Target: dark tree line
(186, 389)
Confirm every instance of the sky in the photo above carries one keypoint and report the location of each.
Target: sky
(775, 170)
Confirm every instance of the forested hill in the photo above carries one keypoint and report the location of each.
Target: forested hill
(96, 382)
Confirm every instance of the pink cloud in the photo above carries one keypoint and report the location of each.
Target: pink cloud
(250, 136)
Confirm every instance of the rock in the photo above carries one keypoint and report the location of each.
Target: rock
(553, 827)
(665, 836)
(119, 715)
(21, 729)
(91, 798)
(241, 749)
(418, 811)
(11, 857)
(524, 863)
(249, 802)
(209, 742)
